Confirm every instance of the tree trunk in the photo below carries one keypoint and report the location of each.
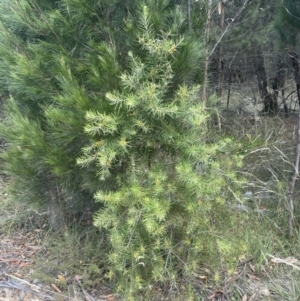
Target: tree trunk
(207, 56)
(229, 88)
(220, 53)
(278, 86)
(55, 207)
(295, 63)
(270, 104)
(293, 182)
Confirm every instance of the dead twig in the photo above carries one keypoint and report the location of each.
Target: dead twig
(10, 284)
(245, 261)
(88, 297)
(285, 261)
(35, 289)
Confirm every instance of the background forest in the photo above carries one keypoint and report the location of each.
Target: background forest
(159, 137)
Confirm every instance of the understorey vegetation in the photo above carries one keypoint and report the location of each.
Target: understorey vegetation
(111, 126)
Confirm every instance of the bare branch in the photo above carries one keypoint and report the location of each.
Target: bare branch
(229, 26)
(287, 10)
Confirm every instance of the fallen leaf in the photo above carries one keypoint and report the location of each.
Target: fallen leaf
(253, 277)
(23, 264)
(62, 279)
(110, 298)
(245, 298)
(231, 279)
(216, 294)
(56, 288)
(201, 277)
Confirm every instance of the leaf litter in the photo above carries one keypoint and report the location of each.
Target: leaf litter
(17, 262)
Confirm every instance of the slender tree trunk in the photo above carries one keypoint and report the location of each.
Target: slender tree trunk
(220, 51)
(293, 181)
(270, 105)
(295, 63)
(278, 86)
(207, 56)
(229, 88)
(286, 111)
(55, 206)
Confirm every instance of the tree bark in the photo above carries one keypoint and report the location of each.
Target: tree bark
(207, 55)
(278, 86)
(270, 104)
(220, 52)
(295, 63)
(55, 207)
(293, 182)
(229, 88)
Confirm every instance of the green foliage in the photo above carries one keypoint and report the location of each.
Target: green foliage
(171, 176)
(290, 13)
(54, 67)
(58, 60)
(287, 23)
(251, 26)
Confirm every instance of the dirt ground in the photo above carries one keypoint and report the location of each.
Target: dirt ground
(17, 254)
(17, 263)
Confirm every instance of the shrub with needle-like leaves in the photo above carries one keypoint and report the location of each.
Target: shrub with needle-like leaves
(171, 176)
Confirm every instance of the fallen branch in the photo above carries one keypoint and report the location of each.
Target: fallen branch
(279, 260)
(10, 284)
(86, 295)
(35, 289)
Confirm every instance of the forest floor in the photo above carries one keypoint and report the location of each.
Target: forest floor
(18, 254)
(21, 249)
(18, 262)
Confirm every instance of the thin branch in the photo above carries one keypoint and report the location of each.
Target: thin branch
(289, 12)
(229, 26)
